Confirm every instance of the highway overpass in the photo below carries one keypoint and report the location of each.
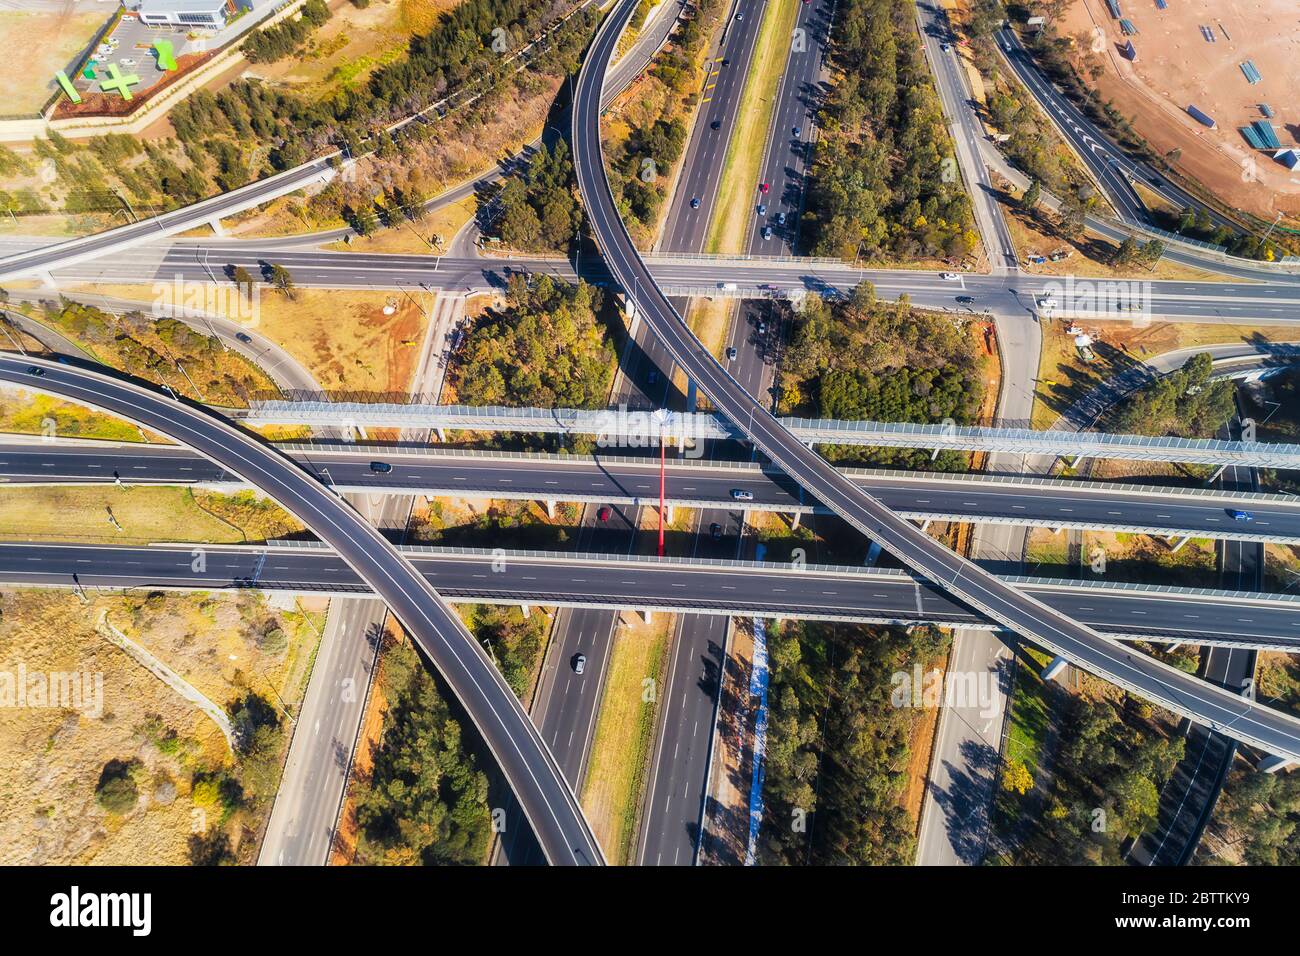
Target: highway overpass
(625, 427)
(1274, 301)
(1010, 607)
(694, 483)
(549, 803)
(679, 585)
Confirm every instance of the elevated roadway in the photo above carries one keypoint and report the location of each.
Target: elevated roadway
(1008, 606)
(696, 585)
(1275, 301)
(550, 805)
(641, 428)
(922, 496)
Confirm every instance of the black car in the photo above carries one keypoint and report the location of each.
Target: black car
(380, 467)
(715, 531)
(716, 124)
(966, 299)
(35, 370)
(244, 337)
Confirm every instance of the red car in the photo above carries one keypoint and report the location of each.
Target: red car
(604, 513)
(763, 188)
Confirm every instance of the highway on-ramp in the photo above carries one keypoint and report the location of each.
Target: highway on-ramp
(550, 805)
(1143, 675)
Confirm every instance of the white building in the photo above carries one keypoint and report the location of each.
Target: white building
(210, 14)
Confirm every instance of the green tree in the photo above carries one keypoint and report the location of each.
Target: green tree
(1030, 199)
(282, 280)
(243, 281)
(1016, 778)
(1126, 253)
(116, 790)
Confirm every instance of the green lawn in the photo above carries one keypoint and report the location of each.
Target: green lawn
(1030, 711)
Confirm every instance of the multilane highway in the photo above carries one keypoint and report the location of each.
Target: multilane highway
(550, 805)
(1013, 609)
(1111, 166)
(924, 496)
(1277, 301)
(679, 585)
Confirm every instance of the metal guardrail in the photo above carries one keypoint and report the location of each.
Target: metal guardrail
(645, 426)
(1082, 486)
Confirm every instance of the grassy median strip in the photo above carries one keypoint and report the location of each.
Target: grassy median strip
(611, 793)
(744, 162)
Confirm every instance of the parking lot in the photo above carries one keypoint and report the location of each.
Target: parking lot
(130, 46)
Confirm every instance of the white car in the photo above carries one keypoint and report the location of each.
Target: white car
(740, 494)
(579, 663)
(950, 276)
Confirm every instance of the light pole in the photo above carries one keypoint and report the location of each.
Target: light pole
(1269, 231)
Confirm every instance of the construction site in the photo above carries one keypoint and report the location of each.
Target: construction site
(1210, 85)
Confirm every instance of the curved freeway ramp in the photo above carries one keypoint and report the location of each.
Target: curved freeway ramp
(1182, 693)
(549, 804)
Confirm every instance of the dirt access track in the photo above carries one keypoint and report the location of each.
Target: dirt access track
(1176, 66)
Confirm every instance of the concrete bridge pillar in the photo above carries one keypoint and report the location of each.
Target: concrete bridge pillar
(1273, 763)
(794, 520)
(1054, 669)
(525, 610)
(646, 615)
(217, 227)
(550, 510)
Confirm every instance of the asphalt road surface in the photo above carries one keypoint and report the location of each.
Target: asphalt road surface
(1110, 165)
(1276, 301)
(551, 807)
(1010, 607)
(685, 585)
